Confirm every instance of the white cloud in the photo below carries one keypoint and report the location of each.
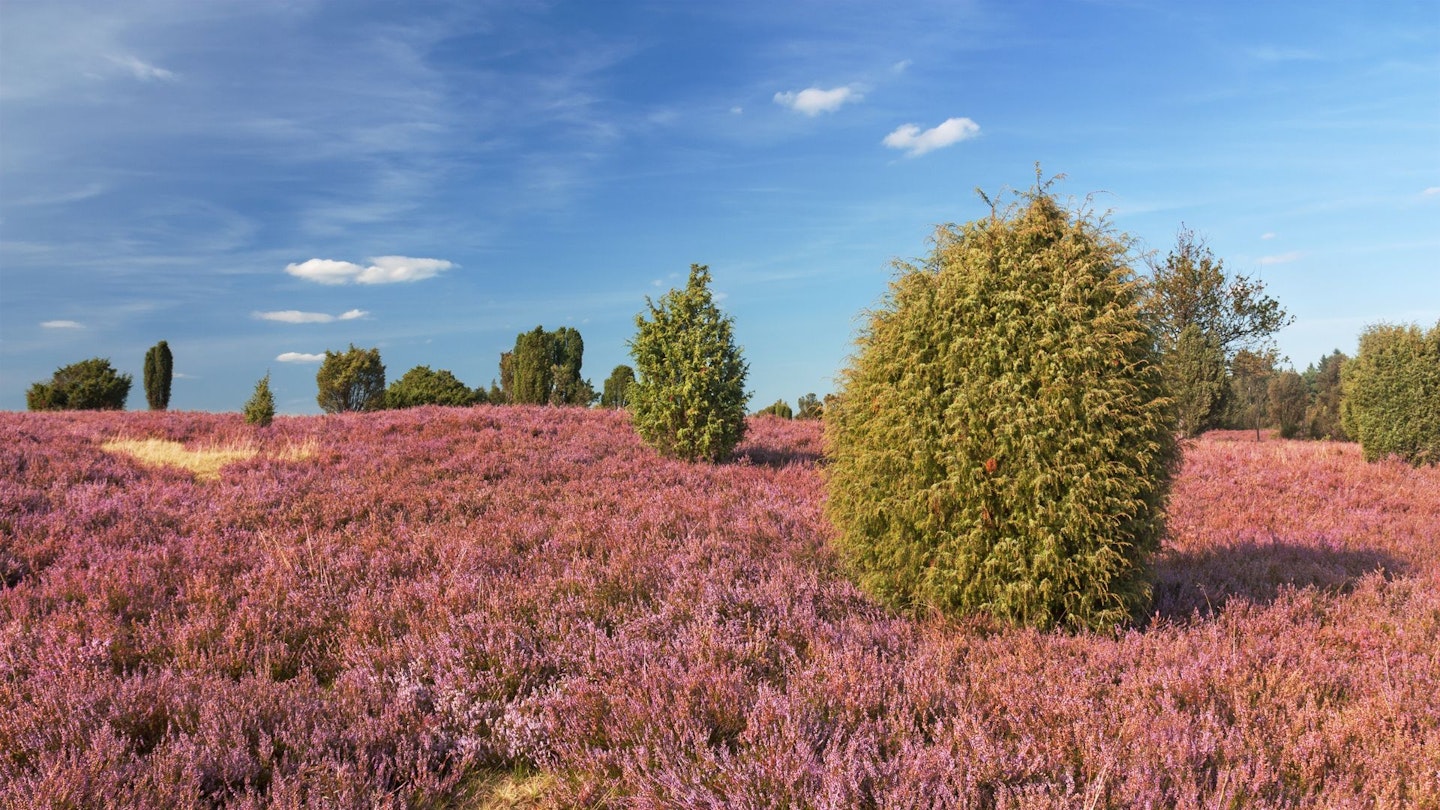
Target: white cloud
(812, 100)
(1283, 258)
(62, 325)
(296, 316)
(1268, 235)
(382, 270)
(1432, 191)
(916, 143)
(143, 71)
(299, 357)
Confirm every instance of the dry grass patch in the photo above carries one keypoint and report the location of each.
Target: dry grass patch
(205, 462)
(499, 790)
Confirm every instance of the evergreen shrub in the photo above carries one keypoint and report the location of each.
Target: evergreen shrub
(1391, 393)
(1003, 442)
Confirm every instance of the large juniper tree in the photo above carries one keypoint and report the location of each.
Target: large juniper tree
(688, 400)
(353, 380)
(1003, 442)
(159, 370)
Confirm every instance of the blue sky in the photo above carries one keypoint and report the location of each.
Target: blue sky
(256, 182)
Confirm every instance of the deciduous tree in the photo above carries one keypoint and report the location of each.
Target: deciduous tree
(617, 387)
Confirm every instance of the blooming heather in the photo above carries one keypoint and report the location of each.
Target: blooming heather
(439, 593)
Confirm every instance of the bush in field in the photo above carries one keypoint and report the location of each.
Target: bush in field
(689, 398)
(1003, 442)
(421, 386)
(260, 408)
(616, 393)
(544, 369)
(1322, 417)
(809, 407)
(1391, 402)
(89, 385)
(780, 408)
(159, 371)
(1289, 397)
(353, 380)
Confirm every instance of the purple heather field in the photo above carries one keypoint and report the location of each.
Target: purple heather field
(437, 594)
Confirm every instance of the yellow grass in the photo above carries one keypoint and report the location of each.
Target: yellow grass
(204, 462)
(498, 790)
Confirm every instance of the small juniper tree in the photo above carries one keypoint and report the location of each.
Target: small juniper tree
(1003, 442)
(780, 408)
(260, 408)
(353, 380)
(617, 387)
(159, 370)
(688, 400)
(1391, 402)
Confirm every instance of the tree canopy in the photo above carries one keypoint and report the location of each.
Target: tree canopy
(89, 385)
(353, 380)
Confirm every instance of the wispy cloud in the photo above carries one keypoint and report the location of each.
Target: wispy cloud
(381, 270)
(901, 66)
(1268, 235)
(812, 100)
(299, 357)
(144, 71)
(1282, 258)
(296, 316)
(1433, 191)
(910, 138)
(62, 325)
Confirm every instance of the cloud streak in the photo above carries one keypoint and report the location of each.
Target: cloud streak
(299, 357)
(915, 142)
(62, 325)
(812, 100)
(296, 316)
(381, 270)
(1282, 258)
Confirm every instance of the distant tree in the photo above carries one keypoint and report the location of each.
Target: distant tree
(353, 380)
(1323, 415)
(421, 386)
(780, 408)
(1391, 402)
(89, 385)
(1191, 290)
(617, 387)
(1250, 388)
(809, 407)
(159, 369)
(260, 408)
(689, 398)
(505, 394)
(1003, 442)
(497, 395)
(545, 368)
(1289, 397)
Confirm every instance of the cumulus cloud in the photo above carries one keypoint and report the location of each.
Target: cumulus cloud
(296, 316)
(1283, 258)
(381, 270)
(910, 138)
(812, 100)
(62, 325)
(299, 357)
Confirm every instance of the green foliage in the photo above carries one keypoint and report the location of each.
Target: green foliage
(781, 409)
(421, 386)
(809, 407)
(1391, 402)
(353, 380)
(1194, 372)
(1249, 404)
(1289, 397)
(1197, 310)
(260, 408)
(89, 385)
(689, 398)
(159, 370)
(544, 369)
(1323, 416)
(1003, 442)
(617, 387)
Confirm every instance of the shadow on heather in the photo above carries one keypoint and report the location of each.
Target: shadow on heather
(1202, 582)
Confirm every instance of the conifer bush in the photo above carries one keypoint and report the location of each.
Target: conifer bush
(688, 399)
(1003, 443)
(1391, 393)
(260, 408)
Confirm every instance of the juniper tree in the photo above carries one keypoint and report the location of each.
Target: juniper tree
(688, 399)
(422, 386)
(159, 370)
(616, 393)
(353, 380)
(89, 385)
(1003, 442)
(1391, 402)
(260, 408)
